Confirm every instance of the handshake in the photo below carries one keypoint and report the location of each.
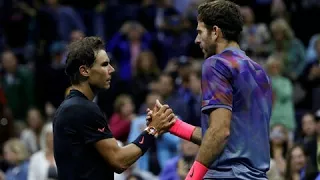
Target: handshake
(160, 119)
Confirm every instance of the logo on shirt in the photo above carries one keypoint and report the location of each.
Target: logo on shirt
(142, 140)
(101, 129)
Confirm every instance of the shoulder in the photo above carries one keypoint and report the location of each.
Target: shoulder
(24, 70)
(262, 27)
(37, 156)
(25, 165)
(219, 64)
(27, 133)
(297, 42)
(78, 106)
(75, 112)
(287, 81)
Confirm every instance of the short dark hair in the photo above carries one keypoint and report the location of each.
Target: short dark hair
(224, 14)
(82, 52)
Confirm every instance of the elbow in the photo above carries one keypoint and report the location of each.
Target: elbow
(120, 168)
(226, 134)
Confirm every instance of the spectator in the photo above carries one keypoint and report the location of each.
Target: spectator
(291, 49)
(146, 71)
(311, 51)
(298, 165)
(175, 37)
(42, 164)
(178, 167)
(311, 79)
(54, 92)
(49, 111)
(126, 45)
(17, 155)
(57, 21)
(120, 121)
(17, 83)
(255, 36)
(308, 137)
(279, 145)
(273, 172)
(308, 129)
(152, 15)
(31, 136)
(283, 108)
(168, 91)
(194, 100)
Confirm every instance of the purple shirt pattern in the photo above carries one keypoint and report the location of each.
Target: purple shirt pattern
(233, 81)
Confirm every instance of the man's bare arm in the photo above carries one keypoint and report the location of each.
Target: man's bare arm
(215, 137)
(120, 158)
(196, 136)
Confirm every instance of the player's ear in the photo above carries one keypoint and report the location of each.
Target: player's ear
(84, 70)
(215, 32)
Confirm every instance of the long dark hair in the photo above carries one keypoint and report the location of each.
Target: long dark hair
(311, 171)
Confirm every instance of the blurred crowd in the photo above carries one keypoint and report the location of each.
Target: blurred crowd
(151, 46)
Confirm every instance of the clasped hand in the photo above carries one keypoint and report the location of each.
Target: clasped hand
(161, 117)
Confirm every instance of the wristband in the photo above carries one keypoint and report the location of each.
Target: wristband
(197, 171)
(182, 129)
(144, 141)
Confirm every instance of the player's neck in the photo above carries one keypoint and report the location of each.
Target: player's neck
(85, 89)
(225, 44)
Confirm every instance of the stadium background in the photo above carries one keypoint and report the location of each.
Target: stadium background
(151, 45)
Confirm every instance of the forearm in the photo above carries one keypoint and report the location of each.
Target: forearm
(196, 136)
(186, 131)
(212, 144)
(128, 155)
(121, 158)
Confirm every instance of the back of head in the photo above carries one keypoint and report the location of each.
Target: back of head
(16, 146)
(224, 14)
(82, 52)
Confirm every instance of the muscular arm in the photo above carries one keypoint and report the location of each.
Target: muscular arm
(121, 158)
(215, 137)
(196, 136)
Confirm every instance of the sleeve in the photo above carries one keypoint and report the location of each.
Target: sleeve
(32, 168)
(95, 128)
(216, 85)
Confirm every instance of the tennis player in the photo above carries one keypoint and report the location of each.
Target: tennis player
(84, 148)
(236, 102)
